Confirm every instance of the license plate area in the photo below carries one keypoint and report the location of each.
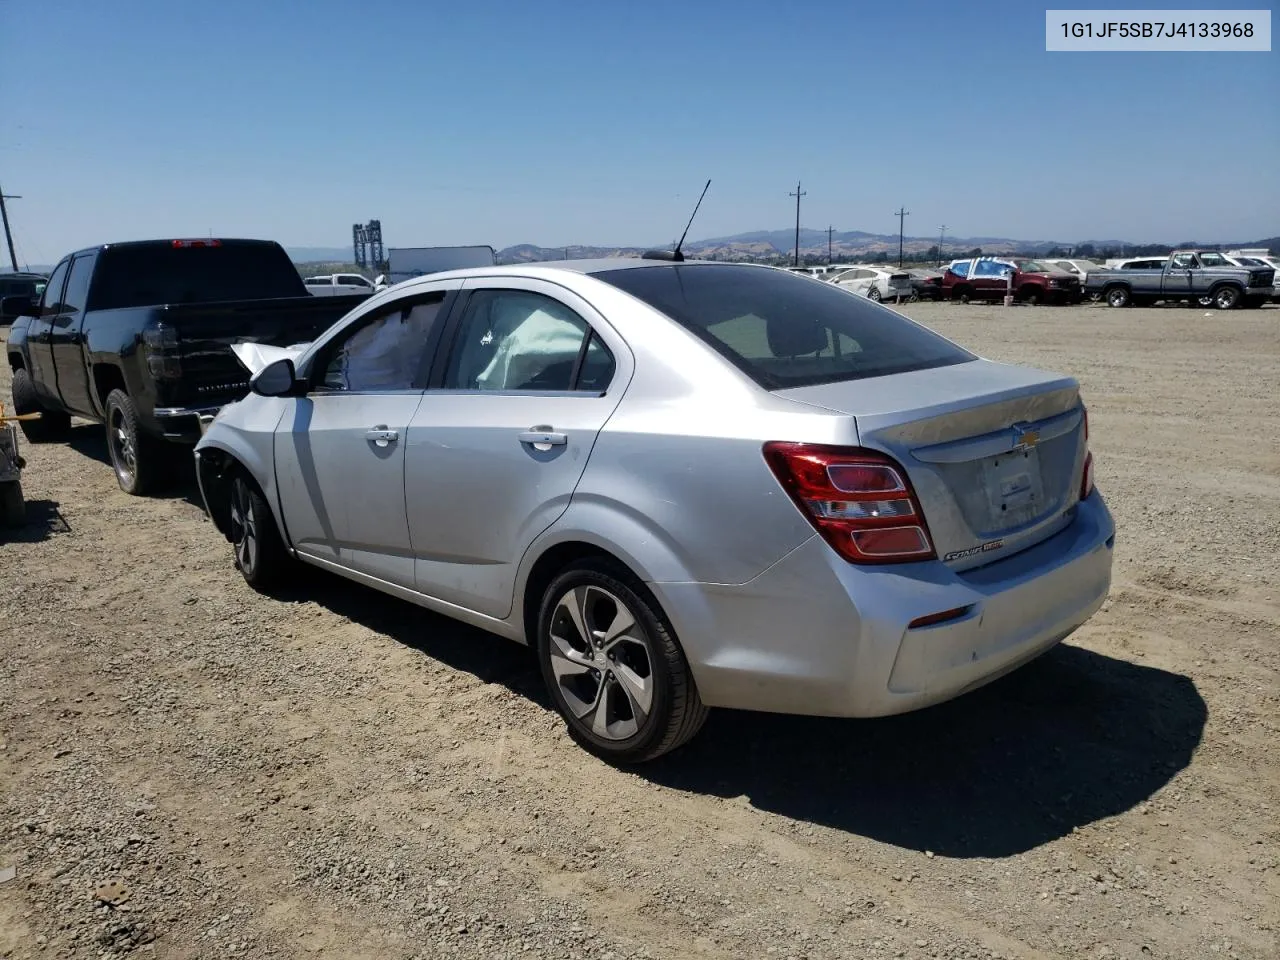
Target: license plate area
(1015, 493)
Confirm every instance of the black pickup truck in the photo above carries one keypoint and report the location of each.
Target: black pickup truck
(1188, 275)
(138, 336)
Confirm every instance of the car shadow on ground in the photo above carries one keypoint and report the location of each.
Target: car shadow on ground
(1069, 739)
(90, 441)
(43, 520)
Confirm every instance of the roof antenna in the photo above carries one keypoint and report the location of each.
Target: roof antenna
(675, 254)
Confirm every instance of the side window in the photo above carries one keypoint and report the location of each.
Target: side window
(1213, 260)
(961, 269)
(50, 303)
(77, 291)
(517, 340)
(987, 268)
(597, 367)
(384, 352)
(1184, 261)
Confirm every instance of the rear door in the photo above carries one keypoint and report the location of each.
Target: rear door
(499, 443)
(340, 450)
(66, 339)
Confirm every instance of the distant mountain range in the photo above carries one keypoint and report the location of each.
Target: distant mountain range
(765, 245)
(772, 244)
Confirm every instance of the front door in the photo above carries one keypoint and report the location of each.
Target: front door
(39, 341)
(340, 452)
(66, 340)
(1179, 278)
(498, 445)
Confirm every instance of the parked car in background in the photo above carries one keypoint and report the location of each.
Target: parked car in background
(137, 336)
(1186, 275)
(686, 484)
(29, 285)
(1138, 263)
(874, 283)
(925, 284)
(1242, 259)
(992, 278)
(341, 285)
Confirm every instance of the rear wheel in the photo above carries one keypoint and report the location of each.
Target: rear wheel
(51, 424)
(613, 666)
(873, 294)
(137, 457)
(260, 553)
(1118, 297)
(1225, 298)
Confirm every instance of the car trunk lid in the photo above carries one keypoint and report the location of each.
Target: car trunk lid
(993, 451)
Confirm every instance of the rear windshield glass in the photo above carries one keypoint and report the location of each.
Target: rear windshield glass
(785, 330)
(151, 275)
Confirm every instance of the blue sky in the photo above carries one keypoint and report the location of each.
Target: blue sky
(598, 122)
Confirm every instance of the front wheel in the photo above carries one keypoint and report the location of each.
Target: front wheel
(1031, 298)
(1225, 298)
(50, 425)
(13, 508)
(260, 553)
(613, 666)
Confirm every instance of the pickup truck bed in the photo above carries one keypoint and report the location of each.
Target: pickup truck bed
(138, 336)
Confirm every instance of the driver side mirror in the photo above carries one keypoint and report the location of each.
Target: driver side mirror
(277, 379)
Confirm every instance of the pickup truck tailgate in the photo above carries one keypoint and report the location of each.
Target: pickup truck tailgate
(210, 374)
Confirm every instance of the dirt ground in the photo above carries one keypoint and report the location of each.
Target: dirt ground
(338, 774)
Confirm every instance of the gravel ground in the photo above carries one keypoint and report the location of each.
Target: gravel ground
(191, 770)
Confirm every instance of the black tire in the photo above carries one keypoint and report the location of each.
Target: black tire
(874, 294)
(259, 550)
(51, 426)
(1031, 298)
(1118, 296)
(675, 712)
(137, 458)
(13, 507)
(1226, 298)
(961, 294)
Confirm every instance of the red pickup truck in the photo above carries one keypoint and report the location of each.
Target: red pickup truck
(988, 278)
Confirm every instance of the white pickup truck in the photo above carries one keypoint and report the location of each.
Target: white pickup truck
(342, 285)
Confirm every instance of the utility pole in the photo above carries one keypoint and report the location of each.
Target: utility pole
(829, 232)
(902, 214)
(941, 238)
(797, 195)
(8, 236)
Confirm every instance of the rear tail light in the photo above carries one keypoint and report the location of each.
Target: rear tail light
(1086, 477)
(160, 342)
(859, 501)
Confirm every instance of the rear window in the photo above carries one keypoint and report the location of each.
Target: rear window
(149, 275)
(783, 330)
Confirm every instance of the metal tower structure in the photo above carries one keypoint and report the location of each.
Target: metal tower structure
(366, 245)
(359, 245)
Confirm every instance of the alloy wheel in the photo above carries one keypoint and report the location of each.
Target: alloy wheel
(602, 661)
(121, 445)
(244, 526)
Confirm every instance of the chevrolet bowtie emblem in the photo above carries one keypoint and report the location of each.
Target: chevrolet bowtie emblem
(1024, 438)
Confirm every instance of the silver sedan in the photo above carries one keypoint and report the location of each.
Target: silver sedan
(685, 484)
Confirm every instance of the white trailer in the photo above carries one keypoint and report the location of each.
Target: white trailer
(405, 263)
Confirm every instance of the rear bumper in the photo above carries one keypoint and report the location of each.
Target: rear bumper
(184, 424)
(815, 635)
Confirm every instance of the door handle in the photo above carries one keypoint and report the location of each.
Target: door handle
(381, 436)
(544, 438)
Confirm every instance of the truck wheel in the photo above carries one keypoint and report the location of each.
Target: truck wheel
(13, 508)
(1031, 297)
(1224, 298)
(135, 456)
(261, 556)
(962, 294)
(1118, 297)
(52, 424)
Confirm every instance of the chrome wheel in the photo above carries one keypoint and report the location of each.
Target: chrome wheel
(1226, 298)
(602, 662)
(873, 294)
(122, 447)
(244, 526)
(1118, 297)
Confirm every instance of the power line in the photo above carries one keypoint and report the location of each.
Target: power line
(797, 195)
(902, 214)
